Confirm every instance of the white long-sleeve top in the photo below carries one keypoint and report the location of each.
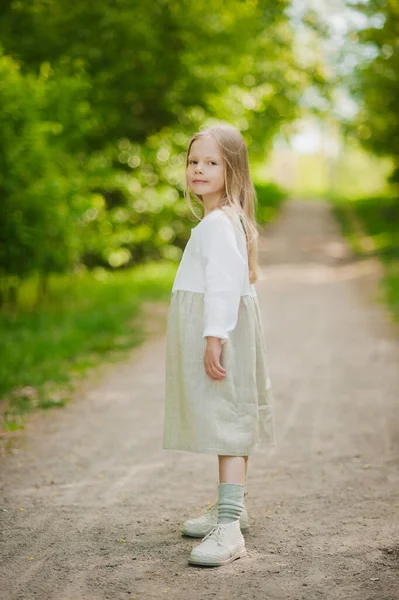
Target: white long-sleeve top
(215, 262)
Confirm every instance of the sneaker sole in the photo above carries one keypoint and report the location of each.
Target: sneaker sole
(201, 535)
(218, 563)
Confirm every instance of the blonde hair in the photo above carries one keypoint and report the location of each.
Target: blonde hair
(240, 192)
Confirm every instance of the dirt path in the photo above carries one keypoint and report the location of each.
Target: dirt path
(91, 505)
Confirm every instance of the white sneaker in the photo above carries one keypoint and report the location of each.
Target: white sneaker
(223, 544)
(202, 525)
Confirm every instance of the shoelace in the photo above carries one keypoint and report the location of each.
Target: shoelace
(216, 532)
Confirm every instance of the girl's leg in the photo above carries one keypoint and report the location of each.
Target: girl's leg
(225, 541)
(199, 526)
(233, 469)
(231, 488)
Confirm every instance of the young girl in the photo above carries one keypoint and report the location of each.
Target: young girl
(218, 397)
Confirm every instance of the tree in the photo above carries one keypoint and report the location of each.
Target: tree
(376, 80)
(41, 188)
(150, 62)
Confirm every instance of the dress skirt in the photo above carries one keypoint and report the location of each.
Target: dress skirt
(231, 416)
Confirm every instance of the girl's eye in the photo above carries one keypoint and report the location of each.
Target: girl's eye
(194, 161)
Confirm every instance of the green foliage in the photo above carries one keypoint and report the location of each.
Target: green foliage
(41, 184)
(269, 199)
(391, 287)
(151, 63)
(378, 217)
(376, 85)
(371, 227)
(98, 103)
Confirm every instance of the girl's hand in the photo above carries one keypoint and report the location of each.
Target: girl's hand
(212, 358)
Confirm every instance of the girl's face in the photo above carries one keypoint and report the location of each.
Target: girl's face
(205, 169)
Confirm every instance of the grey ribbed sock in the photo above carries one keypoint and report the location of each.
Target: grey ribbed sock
(231, 502)
(245, 488)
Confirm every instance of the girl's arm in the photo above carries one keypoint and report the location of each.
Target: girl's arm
(224, 272)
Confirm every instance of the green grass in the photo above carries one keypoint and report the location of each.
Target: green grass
(371, 226)
(86, 319)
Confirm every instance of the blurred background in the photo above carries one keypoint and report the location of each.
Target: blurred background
(97, 103)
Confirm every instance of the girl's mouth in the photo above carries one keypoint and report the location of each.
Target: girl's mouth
(199, 181)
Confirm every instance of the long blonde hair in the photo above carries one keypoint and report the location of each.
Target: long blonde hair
(240, 192)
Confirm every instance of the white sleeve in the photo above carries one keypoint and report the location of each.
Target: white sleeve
(224, 272)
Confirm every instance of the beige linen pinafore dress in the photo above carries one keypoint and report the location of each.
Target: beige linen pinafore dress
(232, 416)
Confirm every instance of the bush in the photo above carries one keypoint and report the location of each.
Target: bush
(270, 198)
